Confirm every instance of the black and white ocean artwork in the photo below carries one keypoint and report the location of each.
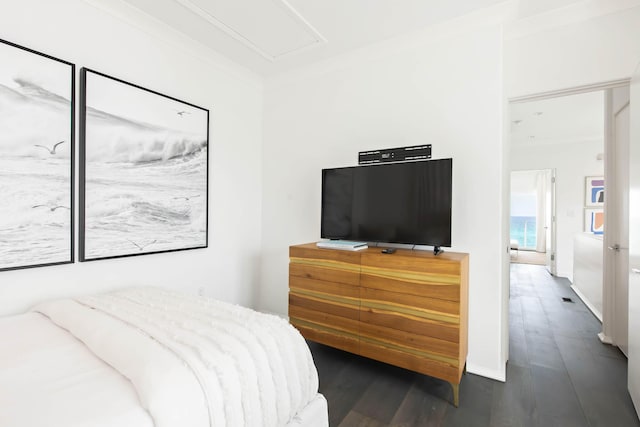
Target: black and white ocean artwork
(145, 171)
(36, 158)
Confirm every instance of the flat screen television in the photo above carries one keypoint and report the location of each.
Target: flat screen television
(391, 203)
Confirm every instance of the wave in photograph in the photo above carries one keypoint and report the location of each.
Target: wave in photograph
(145, 187)
(35, 175)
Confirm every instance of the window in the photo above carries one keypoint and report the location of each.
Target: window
(523, 219)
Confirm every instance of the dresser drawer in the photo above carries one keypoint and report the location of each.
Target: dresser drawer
(324, 264)
(324, 270)
(414, 273)
(419, 284)
(311, 251)
(418, 306)
(325, 328)
(333, 298)
(406, 322)
(446, 264)
(342, 342)
(411, 342)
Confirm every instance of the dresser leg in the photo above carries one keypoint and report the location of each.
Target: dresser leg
(456, 394)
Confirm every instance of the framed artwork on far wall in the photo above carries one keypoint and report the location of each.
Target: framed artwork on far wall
(594, 220)
(36, 158)
(143, 171)
(594, 191)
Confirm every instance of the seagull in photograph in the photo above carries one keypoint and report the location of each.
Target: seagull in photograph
(187, 198)
(52, 208)
(51, 151)
(182, 113)
(141, 247)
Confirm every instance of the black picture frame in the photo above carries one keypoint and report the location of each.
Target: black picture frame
(37, 158)
(144, 170)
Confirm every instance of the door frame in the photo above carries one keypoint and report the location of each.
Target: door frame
(612, 84)
(551, 255)
(599, 86)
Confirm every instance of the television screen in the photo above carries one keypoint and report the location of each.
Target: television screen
(394, 203)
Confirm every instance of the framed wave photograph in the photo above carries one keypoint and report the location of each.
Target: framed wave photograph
(143, 170)
(36, 158)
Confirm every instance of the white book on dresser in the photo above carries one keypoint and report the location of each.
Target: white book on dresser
(345, 245)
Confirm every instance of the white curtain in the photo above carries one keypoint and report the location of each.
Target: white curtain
(541, 210)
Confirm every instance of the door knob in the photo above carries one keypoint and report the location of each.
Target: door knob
(635, 270)
(616, 247)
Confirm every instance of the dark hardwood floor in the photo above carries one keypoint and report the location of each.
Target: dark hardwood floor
(559, 374)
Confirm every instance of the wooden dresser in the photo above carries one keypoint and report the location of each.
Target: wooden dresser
(407, 309)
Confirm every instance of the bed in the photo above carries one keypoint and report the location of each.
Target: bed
(149, 357)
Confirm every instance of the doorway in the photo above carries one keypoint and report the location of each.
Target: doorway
(595, 162)
(563, 134)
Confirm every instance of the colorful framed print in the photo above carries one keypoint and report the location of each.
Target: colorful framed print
(36, 158)
(143, 170)
(594, 220)
(594, 191)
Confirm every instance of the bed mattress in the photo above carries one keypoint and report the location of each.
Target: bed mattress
(149, 357)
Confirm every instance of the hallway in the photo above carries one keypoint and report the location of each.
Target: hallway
(575, 379)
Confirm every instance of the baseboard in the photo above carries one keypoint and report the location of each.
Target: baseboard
(587, 303)
(498, 375)
(605, 339)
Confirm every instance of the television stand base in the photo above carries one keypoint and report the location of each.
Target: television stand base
(437, 250)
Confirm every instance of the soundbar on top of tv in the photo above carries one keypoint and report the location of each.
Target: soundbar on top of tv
(346, 245)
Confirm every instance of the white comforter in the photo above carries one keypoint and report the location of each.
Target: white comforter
(195, 361)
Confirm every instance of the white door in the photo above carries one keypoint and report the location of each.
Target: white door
(615, 292)
(634, 244)
(550, 221)
(620, 248)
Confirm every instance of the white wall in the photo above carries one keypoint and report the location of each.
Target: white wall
(573, 162)
(446, 92)
(588, 249)
(146, 53)
(542, 55)
(539, 57)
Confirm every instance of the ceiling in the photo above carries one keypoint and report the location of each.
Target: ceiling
(271, 36)
(567, 119)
